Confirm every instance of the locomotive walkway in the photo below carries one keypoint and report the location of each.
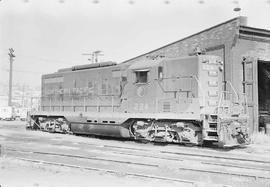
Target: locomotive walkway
(189, 166)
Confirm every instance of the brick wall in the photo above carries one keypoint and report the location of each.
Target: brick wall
(217, 40)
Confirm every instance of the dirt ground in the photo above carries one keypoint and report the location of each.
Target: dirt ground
(17, 173)
(260, 145)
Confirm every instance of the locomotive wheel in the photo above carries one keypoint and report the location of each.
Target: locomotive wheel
(166, 132)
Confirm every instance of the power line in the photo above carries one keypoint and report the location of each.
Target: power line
(46, 59)
(62, 61)
(24, 71)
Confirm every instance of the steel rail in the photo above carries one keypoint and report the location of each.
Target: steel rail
(148, 156)
(140, 155)
(235, 166)
(255, 177)
(218, 157)
(203, 162)
(82, 157)
(190, 154)
(187, 154)
(196, 155)
(225, 173)
(173, 159)
(141, 175)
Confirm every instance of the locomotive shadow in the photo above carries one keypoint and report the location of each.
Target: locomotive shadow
(164, 144)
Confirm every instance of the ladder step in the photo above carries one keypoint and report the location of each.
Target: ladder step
(212, 122)
(211, 138)
(211, 130)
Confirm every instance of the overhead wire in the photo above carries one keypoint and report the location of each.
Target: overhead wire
(35, 58)
(23, 71)
(62, 61)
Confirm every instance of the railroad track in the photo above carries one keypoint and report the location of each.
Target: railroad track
(133, 174)
(192, 183)
(80, 157)
(203, 162)
(182, 156)
(250, 176)
(177, 154)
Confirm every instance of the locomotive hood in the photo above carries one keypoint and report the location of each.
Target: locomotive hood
(144, 64)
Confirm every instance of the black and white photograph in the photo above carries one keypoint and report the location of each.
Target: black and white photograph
(137, 93)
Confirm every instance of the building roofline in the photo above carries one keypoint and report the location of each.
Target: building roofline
(255, 29)
(254, 34)
(231, 20)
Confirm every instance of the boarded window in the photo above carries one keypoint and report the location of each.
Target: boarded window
(109, 89)
(95, 88)
(141, 76)
(103, 89)
(124, 79)
(90, 84)
(90, 88)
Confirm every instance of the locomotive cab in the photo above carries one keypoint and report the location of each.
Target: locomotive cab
(188, 86)
(164, 86)
(190, 90)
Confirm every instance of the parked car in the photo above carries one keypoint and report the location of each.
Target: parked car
(21, 113)
(7, 113)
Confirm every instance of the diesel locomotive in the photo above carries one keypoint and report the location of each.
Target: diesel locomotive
(180, 100)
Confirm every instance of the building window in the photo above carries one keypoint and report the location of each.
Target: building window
(141, 76)
(103, 89)
(160, 72)
(90, 84)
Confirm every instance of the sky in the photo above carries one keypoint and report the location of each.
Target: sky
(47, 35)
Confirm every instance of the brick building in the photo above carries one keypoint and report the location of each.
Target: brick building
(246, 54)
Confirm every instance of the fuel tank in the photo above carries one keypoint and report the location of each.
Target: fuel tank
(113, 130)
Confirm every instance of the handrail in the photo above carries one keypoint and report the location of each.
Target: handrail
(219, 102)
(245, 103)
(222, 97)
(234, 90)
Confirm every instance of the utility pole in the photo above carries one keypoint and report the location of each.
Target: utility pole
(11, 59)
(94, 56)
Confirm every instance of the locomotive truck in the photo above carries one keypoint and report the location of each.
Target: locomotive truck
(180, 100)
